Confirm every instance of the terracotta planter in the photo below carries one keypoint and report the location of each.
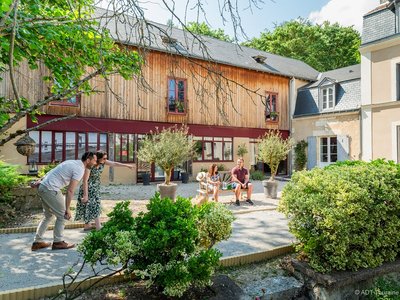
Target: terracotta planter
(167, 191)
(270, 188)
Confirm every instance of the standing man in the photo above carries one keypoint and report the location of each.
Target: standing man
(68, 173)
(240, 180)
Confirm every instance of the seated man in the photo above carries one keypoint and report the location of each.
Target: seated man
(240, 180)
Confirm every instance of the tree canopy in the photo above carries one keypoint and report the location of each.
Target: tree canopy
(204, 29)
(324, 47)
(70, 46)
(63, 37)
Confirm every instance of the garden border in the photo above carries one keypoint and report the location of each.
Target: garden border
(36, 292)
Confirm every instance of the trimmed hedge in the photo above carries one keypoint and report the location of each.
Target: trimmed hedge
(346, 216)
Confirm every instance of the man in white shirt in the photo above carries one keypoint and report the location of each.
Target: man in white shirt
(68, 173)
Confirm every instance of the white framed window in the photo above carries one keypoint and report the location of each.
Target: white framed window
(328, 99)
(328, 150)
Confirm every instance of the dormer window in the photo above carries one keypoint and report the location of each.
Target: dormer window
(328, 99)
(168, 40)
(259, 59)
(327, 94)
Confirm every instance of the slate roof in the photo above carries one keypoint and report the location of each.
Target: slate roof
(348, 92)
(380, 23)
(209, 49)
(339, 75)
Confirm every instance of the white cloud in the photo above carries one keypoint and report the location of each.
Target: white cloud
(345, 12)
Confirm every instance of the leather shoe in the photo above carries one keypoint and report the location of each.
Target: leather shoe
(61, 245)
(39, 245)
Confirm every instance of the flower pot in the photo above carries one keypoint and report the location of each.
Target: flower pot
(176, 175)
(146, 178)
(167, 191)
(270, 188)
(185, 177)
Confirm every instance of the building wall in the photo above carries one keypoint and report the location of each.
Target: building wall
(347, 124)
(234, 99)
(383, 70)
(8, 152)
(384, 121)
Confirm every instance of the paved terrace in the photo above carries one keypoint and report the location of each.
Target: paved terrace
(256, 228)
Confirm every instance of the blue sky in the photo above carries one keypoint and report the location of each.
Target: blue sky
(271, 12)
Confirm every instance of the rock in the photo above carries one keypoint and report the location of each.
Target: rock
(226, 288)
(279, 287)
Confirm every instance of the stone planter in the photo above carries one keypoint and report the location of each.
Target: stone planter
(270, 188)
(341, 284)
(167, 191)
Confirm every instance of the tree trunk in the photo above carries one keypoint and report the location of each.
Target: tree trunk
(167, 174)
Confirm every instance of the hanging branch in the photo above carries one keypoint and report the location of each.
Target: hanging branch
(11, 55)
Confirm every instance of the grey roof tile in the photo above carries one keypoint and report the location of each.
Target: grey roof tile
(216, 50)
(348, 92)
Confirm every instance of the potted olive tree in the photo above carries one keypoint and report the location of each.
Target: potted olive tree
(167, 148)
(241, 150)
(272, 150)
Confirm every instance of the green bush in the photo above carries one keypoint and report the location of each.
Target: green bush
(257, 175)
(45, 169)
(300, 156)
(9, 179)
(345, 216)
(385, 288)
(169, 246)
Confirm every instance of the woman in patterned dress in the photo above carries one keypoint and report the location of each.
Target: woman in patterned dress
(213, 181)
(89, 206)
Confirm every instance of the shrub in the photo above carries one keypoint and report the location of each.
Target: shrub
(385, 288)
(241, 150)
(169, 245)
(9, 179)
(300, 157)
(257, 175)
(345, 216)
(108, 243)
(45, 169)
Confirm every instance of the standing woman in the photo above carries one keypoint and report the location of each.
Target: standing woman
(89, 206)
(213, 181)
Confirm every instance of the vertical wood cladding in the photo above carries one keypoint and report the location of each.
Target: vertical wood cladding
(222, 97)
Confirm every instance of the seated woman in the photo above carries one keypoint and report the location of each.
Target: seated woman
(213, 181)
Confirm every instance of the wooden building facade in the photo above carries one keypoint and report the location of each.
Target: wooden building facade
(223, 102)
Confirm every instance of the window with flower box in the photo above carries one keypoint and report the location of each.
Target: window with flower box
(271, 107)
(176, 96)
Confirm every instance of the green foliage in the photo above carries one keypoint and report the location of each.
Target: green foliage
(385, 289)
(300, 156)
(273, 149)
(204, 29)
(221, 167)
(168, 245)
(214, 223)
(345, 216)
(65, 38)
(45, 169)
(257, 175)
(241, 150)
(324, 47)
(110, 242)
(9, 179)
(167, 148)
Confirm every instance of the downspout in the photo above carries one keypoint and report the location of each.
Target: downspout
(292, 94)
